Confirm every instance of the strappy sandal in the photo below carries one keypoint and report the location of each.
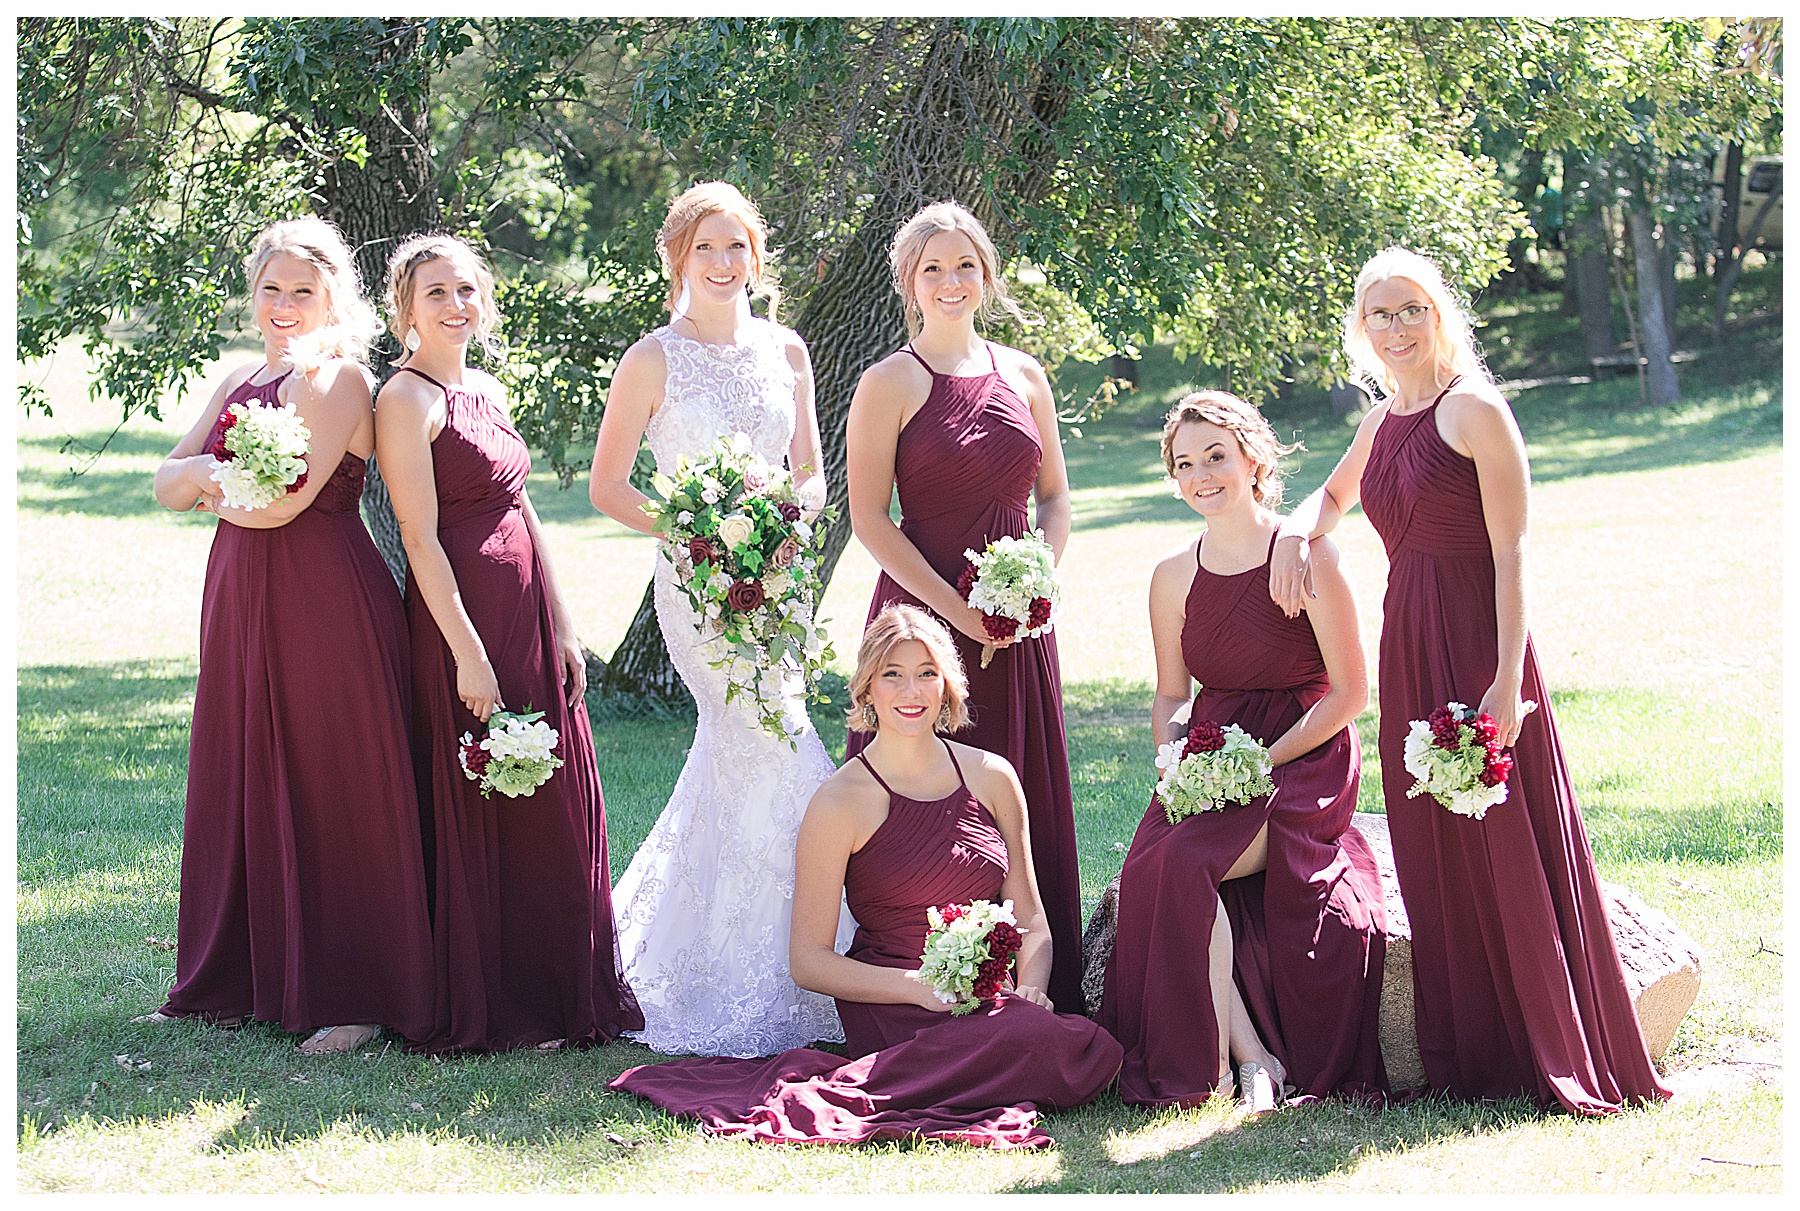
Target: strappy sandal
(1262, 1086)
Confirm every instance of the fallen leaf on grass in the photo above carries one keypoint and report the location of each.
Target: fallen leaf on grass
(415, 1106)
(613, 1137)
(156, 943)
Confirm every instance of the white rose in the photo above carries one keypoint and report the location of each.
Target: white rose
(736, 530)
(684, 519)
(778, 585)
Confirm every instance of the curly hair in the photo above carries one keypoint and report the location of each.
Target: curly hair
(402, 272)
(1255, 436)
(351, 324)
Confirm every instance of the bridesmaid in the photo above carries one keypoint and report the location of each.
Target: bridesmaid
(522, 910)
(914, 821)
(302, 888)
(1297, 882)
(1518, 988)
(966, 430)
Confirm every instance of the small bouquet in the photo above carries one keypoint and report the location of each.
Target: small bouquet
(1456, 757)
(1013, 583)
(1209, 769)
(259, 455)
(968, 952)
(749, 564)
(514, 757)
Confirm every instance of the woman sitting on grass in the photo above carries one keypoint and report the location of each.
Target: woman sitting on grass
(915, 822)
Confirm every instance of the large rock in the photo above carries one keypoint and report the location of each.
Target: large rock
(1662, 965)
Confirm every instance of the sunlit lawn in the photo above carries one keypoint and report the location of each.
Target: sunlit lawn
(1655, 613)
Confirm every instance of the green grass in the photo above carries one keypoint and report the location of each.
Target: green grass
(1660, 640)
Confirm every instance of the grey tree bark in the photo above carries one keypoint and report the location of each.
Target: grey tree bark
(391, 195)
(853, 318)
(1647, 258)
(1585, 239)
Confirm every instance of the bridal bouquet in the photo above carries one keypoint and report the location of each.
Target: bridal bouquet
(1210, 768)
(749, 565)
(1013, 583)
(514, 757)
(259, 455)
(1456, 757)
(968, 952)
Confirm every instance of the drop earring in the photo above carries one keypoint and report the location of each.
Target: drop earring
(412, 340)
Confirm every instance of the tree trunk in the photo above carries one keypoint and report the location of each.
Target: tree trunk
(1728, 261)
(1647, 257)
(391, 196)
(853, 318)
(1584, 241)
(1666, 275)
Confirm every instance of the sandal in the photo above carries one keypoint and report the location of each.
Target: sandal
(333, 1040)
(158, 1017)
(1262, 1085)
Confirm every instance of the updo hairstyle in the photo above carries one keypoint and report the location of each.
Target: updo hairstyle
(402, 274)
(1254, 436)
(676, 239)
(909, 249)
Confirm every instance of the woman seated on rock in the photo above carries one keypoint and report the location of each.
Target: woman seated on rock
(916, 821)
(1280, 892)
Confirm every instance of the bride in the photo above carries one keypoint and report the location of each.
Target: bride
(703, 908)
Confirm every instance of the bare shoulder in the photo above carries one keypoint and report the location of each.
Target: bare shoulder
(897, 376)
(849, 796)
(790, 343)
(989, 775)
(409, 393)
(1178, 564)
(645, 357)
(340, 379)
(1019, 362)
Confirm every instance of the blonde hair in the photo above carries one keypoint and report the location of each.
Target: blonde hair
(351, 324)
(1456, 352)
(402, 272)
(909, 249)
(1255, 437)
(676, 239)
(896, 624)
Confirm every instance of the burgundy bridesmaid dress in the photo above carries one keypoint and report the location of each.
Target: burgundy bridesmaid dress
(965, 466)
(522, 911)
(977, 1079)
(1309, 932)
(302, 887)
(1517, 983)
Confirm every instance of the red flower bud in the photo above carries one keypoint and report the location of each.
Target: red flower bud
(789, 511)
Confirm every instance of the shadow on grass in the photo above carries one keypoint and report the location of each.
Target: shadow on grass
(1294, 1144)
(48, 484)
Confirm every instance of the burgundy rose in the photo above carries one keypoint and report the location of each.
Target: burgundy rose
(1445, 731)
(1205, 737)
(1003, 941)
(785, 554)
(701, 549)
(1040, 613)
(790, 512)
(475, 758)
(999, 626)
(965, 584)
(744, 595)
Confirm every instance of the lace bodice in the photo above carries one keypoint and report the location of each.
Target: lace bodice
(712, 391)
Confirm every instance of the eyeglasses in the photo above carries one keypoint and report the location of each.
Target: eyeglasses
(1411, 315)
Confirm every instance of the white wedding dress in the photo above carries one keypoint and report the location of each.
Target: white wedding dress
(703, 909)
